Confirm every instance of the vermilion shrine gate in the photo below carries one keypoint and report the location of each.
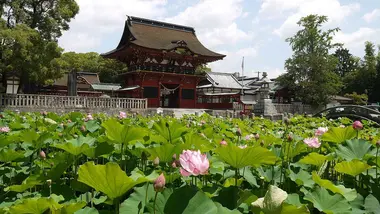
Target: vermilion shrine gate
(162, 59)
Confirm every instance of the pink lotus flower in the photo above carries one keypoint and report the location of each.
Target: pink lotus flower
(320, 131)
(357, 125)
(223, 143)
(4, 129)
(88, 117)
(243, 146)
(193, 163)
(248, 137)
(312, 142)
(122, 115)
(159, 183)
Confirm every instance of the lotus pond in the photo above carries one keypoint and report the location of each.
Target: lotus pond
(78, 163)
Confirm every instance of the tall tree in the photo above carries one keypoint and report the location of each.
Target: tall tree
(49, 17)
(311, 76)
(202, 70)
(29, 30)
(108, 69)
(346, 62)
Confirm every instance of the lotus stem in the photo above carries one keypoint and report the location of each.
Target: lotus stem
(236, 176)
(377, 152)
(117, 204)
(154, 202)
(146, 193)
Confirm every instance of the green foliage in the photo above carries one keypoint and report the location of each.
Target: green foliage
(29, 30)
(311, 73)
(112, 166)
(339, 135)
(353, 168)
(327, 203)
(107, 69)
(251, 156)
(359, 99)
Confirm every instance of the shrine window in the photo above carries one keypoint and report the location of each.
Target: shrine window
(150, 92)
(188, 94)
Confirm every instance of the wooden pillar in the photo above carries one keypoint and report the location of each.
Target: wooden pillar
(180, 96)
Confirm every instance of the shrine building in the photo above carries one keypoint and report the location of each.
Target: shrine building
(162, 59)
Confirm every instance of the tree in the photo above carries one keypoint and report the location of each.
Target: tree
(346, 62)
(108, 69)
(311, 76)
(49, 17)
(29, 30)
(202, 70)
(358, 99)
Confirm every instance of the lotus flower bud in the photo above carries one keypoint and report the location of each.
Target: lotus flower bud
(342, 126)
(174, 165)
(69, 121)
(238, 132)
(262, 143)
(60, 134)
(156, 161)
(223, 142)
(83, 128)
(290, 138)
(357, 125)
(257, 136)
(378, 143)
(286, 121)
(49, 182)
(370, 138)
(42, 154)
(159, 183)
(174, 156)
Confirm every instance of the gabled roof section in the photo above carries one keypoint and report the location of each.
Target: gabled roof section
(161, 36)
(223, 80)
(88, 77)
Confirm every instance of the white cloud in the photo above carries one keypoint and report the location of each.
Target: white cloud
(232, 62)
(214, 21)
(371, 16)
(355, 40)
(98, 19)
(335, 11)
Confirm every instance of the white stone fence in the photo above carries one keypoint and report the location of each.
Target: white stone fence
(294, 108)
(62, 102)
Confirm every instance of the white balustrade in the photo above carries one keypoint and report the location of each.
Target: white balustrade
(53, 101)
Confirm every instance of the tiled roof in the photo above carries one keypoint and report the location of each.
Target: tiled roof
(223, 80)
(91, 78)
(161, 36)
(105, 87)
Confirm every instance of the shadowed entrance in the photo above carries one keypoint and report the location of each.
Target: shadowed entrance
(169, 95)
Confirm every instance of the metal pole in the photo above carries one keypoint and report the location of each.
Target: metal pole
(242, 78)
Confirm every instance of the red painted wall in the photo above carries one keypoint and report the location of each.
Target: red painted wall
(152, 79)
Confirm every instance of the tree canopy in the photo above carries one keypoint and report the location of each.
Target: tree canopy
(29, 30)
(108, 69)
(311, 75)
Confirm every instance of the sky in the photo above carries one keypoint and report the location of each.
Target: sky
(255, 29)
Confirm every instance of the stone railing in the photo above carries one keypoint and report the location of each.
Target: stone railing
(64, 102)
(294, 108)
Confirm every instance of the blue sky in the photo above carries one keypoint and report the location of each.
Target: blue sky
(255, 29)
